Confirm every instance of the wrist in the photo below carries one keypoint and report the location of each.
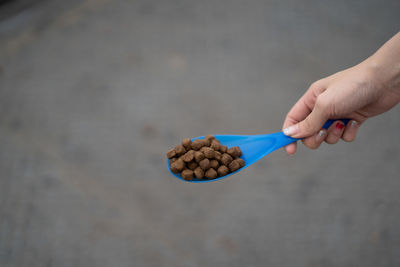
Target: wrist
(382, 75)
(371, 73)
(385, 64)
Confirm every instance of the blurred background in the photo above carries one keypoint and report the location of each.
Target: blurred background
(93, 93)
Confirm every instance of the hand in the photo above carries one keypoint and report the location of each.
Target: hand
(357, 93)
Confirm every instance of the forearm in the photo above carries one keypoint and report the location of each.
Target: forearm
(385, 64)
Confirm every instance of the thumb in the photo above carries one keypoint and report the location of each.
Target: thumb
(309, 126)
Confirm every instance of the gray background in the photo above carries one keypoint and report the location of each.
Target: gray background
(93, 93)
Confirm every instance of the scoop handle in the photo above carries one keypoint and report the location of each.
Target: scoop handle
(283, 140)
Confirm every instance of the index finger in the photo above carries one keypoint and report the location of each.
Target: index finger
(296, 114)
(301, 109)
(305, 104)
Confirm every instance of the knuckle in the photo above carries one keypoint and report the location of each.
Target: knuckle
(313, 146)
(331, 141)
(347, 138)
(322, 104)
(310, 143)
(308, 127)
(316, 85)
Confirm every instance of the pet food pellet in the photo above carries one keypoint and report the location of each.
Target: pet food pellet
(211, 173)
(234, 151)
(198, 143)
(199, 173)
(239, 151)
(215, 145)
(180, 150)
(223, 149)
(172, 160)
(187, 143)
(226, 159)
(171, 153)
(192, 165)
(203, 149)
(217, 155)
(189, 156)
(214, 164)
(209, 137)
(241, 162)
(234, 165)
(207, 142)
(208, 152)
(174, 169)
(204, 164)
(187, 174)
(223, 170)
(178, 165)
(198, 156)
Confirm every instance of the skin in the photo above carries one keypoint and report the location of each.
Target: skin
(358, 93)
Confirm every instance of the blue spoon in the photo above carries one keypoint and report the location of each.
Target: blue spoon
(254, 147)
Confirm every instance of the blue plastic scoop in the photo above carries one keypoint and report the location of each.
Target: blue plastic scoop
(254, 147)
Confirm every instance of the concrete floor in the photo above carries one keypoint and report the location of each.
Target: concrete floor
(93, 93)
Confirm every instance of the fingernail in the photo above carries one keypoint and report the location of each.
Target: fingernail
(291, 130)
(320, 136)
(353, 124)
(339, 127)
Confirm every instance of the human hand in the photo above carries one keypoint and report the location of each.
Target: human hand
(357, 93)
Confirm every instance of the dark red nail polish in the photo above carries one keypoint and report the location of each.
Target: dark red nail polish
(339, 126)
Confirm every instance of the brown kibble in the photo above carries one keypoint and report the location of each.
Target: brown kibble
(235, 151)
(174, 169)
(223, 149)
(203, 148)
(177, 166)
(189, 156)
(214, 164)
(223, 170)
(239, 151)
(241, 162)
(180, 150)
(217, 155)
(234, 165)
(198, 156)
(187, 143)
(211, 173)
(215, 145)
(171, 153)
(192, 165)
(204, 164)
(226, 159)
(199, 173)
(198, 143)
(172, 160)
(187, 174)
(208, 152)
(207, 142)
(209, 137)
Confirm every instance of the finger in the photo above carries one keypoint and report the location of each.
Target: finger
(313, 142)
(297, 113)
(312, 123)
(291, 148)
(350, 131)
(335, 132)
(305, 104)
